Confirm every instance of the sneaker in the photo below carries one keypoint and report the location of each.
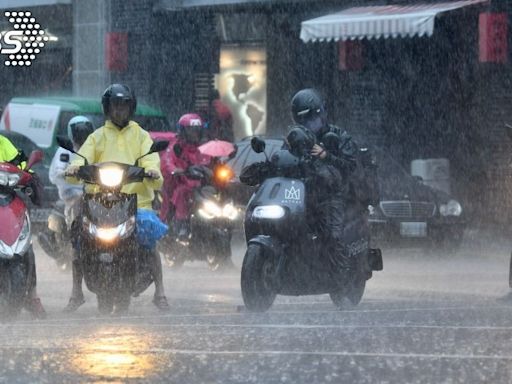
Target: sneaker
(73, 304)
(35, 307)
(161, 303)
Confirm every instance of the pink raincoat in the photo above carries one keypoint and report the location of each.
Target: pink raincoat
(177, 190)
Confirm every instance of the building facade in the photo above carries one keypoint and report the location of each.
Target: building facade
(417, 95)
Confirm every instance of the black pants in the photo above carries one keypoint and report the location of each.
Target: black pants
(330, 220)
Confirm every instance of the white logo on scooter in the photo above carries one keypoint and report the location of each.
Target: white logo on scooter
(292, 193)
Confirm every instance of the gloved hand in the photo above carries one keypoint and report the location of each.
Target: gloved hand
(71, 170)
(152, 174)
(318, 151)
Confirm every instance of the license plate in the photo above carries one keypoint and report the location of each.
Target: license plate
(416, 229)
(106, 257)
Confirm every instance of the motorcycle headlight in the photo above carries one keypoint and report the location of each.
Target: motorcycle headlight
(268, 212)
(111, 176)
(109, 234)
(452, 208)
(209, 210)
(230, 211)
(9, 179)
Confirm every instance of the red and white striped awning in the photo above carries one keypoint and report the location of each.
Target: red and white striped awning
(379, 21)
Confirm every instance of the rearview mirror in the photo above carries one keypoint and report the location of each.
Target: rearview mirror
(331, 141)
(258, 145)
(233, 154)
(159, 146)
(65, 143)
(34, 158)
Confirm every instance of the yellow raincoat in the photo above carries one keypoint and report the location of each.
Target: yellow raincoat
(8, 152)
(108, 143)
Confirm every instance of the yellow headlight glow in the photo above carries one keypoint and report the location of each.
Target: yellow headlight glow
(111, 176)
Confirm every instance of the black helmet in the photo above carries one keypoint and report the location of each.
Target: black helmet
(118, 93)
(301, 141)
(306, 105)
(79, 129)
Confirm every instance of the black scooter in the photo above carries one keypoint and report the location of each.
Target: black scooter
(115, 266)
(282, 254)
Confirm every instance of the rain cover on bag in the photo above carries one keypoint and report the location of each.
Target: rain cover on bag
(150, 228)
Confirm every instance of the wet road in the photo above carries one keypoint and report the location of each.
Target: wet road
(425, 319)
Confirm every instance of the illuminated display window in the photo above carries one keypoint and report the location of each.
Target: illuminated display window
(242, 83)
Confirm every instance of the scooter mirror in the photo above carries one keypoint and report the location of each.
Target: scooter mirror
(233, 154)
(331, 141)
(158, 146)
(65, 143)
(34, 158)
(258, 145)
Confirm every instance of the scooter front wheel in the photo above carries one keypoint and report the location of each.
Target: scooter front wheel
(350, 295)
(256, 279)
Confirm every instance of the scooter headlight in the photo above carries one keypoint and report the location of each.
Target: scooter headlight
(111, 176)
(230, 211)
(452, 208)
(210, 210)
(109, 234)
(9, 179)
(269, 212)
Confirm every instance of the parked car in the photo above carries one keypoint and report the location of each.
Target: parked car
(408, 209)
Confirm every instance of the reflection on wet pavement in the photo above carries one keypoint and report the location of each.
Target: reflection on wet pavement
(114, 353)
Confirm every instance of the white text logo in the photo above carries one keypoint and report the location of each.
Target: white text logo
(22, 44)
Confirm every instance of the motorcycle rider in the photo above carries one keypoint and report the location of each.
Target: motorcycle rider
(10, 154)
(79, 128)
(177, 188)
(123, 140)
(331, 190)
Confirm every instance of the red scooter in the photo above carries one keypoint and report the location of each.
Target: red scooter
(17, 266)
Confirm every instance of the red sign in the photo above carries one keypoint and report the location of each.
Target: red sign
(116, 51)
(350, 55)
(493, 30)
